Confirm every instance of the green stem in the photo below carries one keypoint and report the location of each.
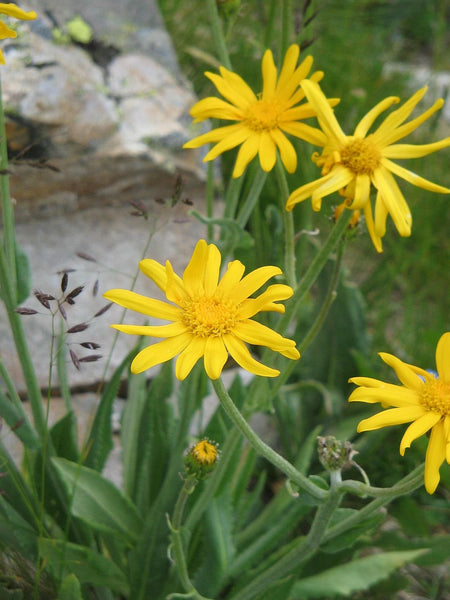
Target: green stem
(314, 270)
(298, 554)
(23, 353)
(286, 26)
(263, 449)
(177, 542)
(252, 198)
(9, 242)
(217, 33)
(232, 196)
(210, 200)
(288, 218)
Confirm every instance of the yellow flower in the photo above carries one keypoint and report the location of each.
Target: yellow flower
(12, 11)
(423, 400)
(201, 459)
(352, 164)
(209, 318)
(262, 120)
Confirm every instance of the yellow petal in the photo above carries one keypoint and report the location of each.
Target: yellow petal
(434, 457)
(6, 32)
(362, 192)
(388, 394)
(418, 428)
(340, 177)
(231, 277)
(215, 108)
(247, 152)
(212, 269)
(414, 150)
(266, 151)
(286, 149)
(393, 200)
(381, 214)
(443, 357)
(143, 305)
(392, 416)
(287, 70)
(195, 270)
(325, 113)
(407, 128)
(403, 371)
(367, 121)
(260, 335)
(158, 331)
(269, 73)
(14, 11)
(390, 124)
(376, 240)
(189, 357)
(305, 191)
(305, 132)
(231, 90)
(233, 139)
(215, 357)
(160, 352)
(253, 281)
(175, 291)
(236, 82)
(155, 271)
(414, 178)
(266, 301)
(2, 58)
(241, 355)
(215, 135)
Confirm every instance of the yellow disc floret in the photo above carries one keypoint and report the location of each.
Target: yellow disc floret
(361, 155)
(263, 116)
(436, 397)
(209, 316)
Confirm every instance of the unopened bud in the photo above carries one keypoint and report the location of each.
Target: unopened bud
(334, 454)
(201, 459)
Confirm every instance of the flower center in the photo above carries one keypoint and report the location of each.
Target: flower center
(206, 317)
(205, 452)
(263, 116)
(436, 397)
(361, 156)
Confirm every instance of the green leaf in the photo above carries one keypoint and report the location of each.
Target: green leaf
(360, 574)
(15, 532)
(98, 502)
(100, 440)
(86, 565)
(64, 437)
(16, 418)
(23, 274)
(279, 590)
(348, 538)
(70, 589)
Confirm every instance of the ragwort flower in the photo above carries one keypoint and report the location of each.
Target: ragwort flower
(209, 318)
(11, 10)
(423, 400)
(262, 120)
(352, 164)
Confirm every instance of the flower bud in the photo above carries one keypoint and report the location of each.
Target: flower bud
(201, 459)
(334, 454)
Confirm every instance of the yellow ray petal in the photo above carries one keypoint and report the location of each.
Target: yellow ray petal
(286, 149)
(266, 301)
(418, 428)
(215, 135)
(215, 357)
(397, 117)
(269, 73)
(434, 457)
(236, 81)
(305, 191)
(194, 272)
(241, 355)
(368, 215)
(392, 416)
(247, 152)
(233, 139)
(215, 108)
(381, 214)
(340, 177)
(267, 152)
(143, 305)
(231, 91)
(393, 395)
(6, 32)
(231, 277)
(414, 150)
(305, 132)
(443, 357)
(253, 281)
(362, 192)
(260, 335)
(175, 291)
(2, 58)
(155, 271)
(158, 331)
(288, 69)
(14, 11)
(325, 113)
(212, 269)
(159, 353)
(393, 200)
(414, 178)
(403, 371)
(189, 357)
(407, 128)
(367, 121)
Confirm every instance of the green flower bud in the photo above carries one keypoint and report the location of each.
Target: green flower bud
(201, 459)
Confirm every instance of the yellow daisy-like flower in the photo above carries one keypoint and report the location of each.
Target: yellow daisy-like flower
(262, 120)
(352, 164)
(11, 10)
(209, 318)
(423, 400)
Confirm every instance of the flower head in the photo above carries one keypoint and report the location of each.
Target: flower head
(261, 120)
(352, 164)
(423, 400)
(209, 318)
(201, 459)
(11, 10)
